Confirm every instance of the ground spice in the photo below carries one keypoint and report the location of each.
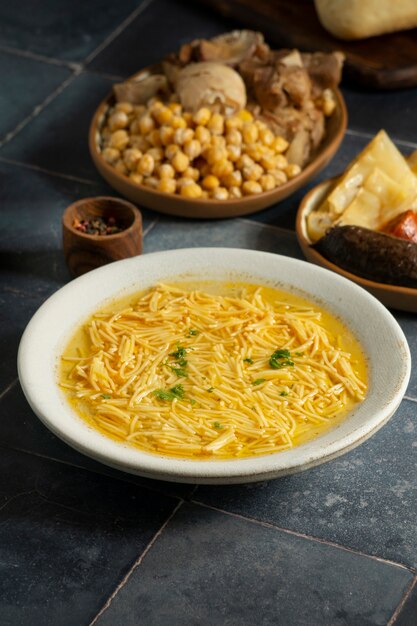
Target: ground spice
(98, 226)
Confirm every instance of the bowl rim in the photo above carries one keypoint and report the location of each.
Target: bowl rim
(307, 205)
(53, 409)
(321, 156)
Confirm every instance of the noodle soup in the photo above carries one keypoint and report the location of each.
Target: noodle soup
(213, 370)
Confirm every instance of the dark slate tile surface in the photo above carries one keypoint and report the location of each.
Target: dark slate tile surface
(211, 568)
(57, 139)
(67, 539)
(407, 322)
(20, 429)
(162, 28)
(408, 614)
(238, 233)
(370, 111)
(70, 30)
(31, 255)
(26, 83)
(366, 499)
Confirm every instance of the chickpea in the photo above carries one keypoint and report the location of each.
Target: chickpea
(139, 110)
(220, 193)
(218, 141)
(154, 138)
(280, 144)
(267, 182)
(215, 154)
(119, 139)
(280, 162)
(188, 118)
(254, 150)
(111, 155)
(280, 176)
(178, 122)
(139, 142)
(234, 122)
(131, 158)
(166, 171)
(180, 162)
(163, 116)
(175, 107)
(124, 107)
(251, 187)
(183, 135)
(146, 165)
(192, 149)
(210, 182)
(146, 124)
(167, 185)
(234, 179)
(166, 134)
(156, 153)
(136, 178)
(151, 181)
(202, 116)
(119, 119)
(253, 172)
(266, 136)
(192, 172)
(250, 133)
(235, 192)
(268, 162)
(245, 115)
(203, 135)
(216, 124)
(191, 191)
(234, 137)
(245, 161)
(171, 150)
(134, 127)
(120, 167)
(222, 168)
(233, 152)
(183, 181)
(292, 170)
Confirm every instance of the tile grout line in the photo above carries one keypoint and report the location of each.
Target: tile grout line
(136, 563)
(43, 170)
(296, 533)
(151, 226)
(8, 388)
(117, 31)
(410, 398)
(255, 222)
(404, 599)
(38, 109)
(27, 54)
(364, 135)
(53, 459)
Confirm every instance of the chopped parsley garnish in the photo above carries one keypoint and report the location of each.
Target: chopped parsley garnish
(179, 353)
(105, 396)
(258, 381)
(284, 393)
(179, 371)
(170, 394)
(248, 360)
(193, 402)
(210, 389)
(193, 332)
(217, 425)
(280, 358)
(299, 353)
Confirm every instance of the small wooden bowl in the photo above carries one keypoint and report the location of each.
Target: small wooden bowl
(393, 296)
(85, 252)
(173, 204)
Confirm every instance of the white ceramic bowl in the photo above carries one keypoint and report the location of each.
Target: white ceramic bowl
(382, 340)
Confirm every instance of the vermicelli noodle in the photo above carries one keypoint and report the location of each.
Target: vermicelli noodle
(189, 373)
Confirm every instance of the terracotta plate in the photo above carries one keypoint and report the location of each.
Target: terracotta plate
(403, 298)
(214, 209)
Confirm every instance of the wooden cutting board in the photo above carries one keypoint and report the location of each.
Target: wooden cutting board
(385, 62)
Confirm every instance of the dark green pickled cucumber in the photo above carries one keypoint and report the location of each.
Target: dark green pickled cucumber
(370, 254)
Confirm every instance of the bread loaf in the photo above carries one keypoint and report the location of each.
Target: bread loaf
(358, 19)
